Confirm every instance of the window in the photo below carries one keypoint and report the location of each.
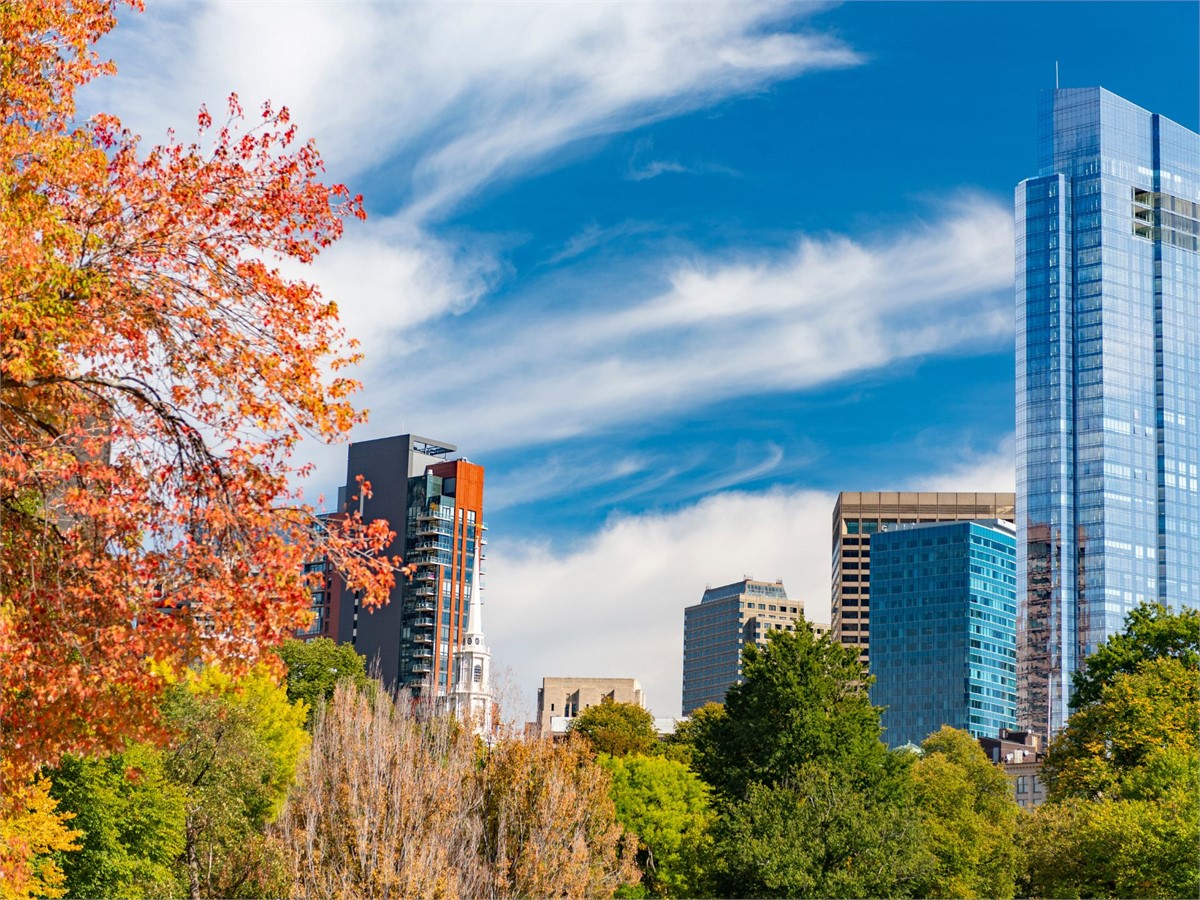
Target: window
(1021, 786)
(478, 675)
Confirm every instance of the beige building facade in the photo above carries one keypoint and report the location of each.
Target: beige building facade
(859, 514)
(561, 699)
(716, 630)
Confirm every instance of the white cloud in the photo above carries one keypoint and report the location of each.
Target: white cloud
(450, 98)
(992, 471)
(724, 328)
(613, 604)
(388, 276)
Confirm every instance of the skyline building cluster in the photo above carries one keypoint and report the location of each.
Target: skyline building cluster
(972, 609)
(428, 639)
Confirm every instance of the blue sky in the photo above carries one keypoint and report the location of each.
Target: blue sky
(675, 274)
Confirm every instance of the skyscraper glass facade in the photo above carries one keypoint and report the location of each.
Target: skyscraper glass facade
(1108, 383)
(943, 627)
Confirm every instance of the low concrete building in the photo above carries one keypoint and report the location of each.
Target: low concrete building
(1020, 755)
(562, 699)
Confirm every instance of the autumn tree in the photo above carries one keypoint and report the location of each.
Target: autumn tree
(385, 804)
(549, 824)
(397, 801)
(157, 370)
(32, 832)
(616, 728)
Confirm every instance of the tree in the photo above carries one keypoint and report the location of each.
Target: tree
(816, 833)
(667, 806)
(386, 804)
(395, 801)
(1111, 848)
(969, 818)
(549, 823)
(1124, 775)
(1152, 631)
(131, 819)
(616, 728)
(1139, 741)
(803, 699)
(695, 736)
(30, 835)
(239, 745)
(157, 370)
(314, 669)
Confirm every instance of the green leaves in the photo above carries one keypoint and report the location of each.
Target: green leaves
(131, 816)
(617, 728)
(667, 806)
(1152, 631)
(315, 667)
(1124, 775)
(968, 817)
(803, 699)
(1139, 741)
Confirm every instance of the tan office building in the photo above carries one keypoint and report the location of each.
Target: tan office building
(561, 699)
(717, 628)
(859, 514)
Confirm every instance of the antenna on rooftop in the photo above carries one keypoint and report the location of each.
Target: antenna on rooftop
(1056, 74)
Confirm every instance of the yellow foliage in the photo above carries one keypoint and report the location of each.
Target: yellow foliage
(29, 832)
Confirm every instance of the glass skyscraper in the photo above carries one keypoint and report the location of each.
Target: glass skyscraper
(1108, 383)
(943, 628)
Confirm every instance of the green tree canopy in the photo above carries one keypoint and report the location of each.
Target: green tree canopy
(240, 742)
(667, 806)
(131, 816)
(969, 818)
(1111, 848)
(692, 735)
(616, 728)
(1152, 631)
(315, 667)
(817, 833)
(1139, 741)
(803, 699)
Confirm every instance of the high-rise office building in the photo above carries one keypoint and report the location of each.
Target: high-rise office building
(717, 628)
(859, 514)
(435, 506)
(1108, 383)
(943, 628)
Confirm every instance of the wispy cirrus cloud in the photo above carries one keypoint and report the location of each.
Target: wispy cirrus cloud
(431, 104)
(450, 98)
(711, 328)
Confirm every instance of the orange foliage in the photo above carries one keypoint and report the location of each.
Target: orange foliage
(156, 372)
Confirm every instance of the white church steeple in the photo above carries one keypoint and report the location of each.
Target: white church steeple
(471, 697)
